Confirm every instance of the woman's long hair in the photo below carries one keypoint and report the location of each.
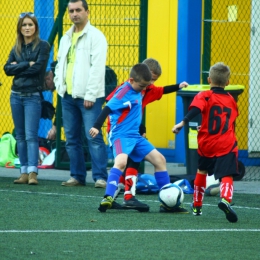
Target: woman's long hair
(20, 37)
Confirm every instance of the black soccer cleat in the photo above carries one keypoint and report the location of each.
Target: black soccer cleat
(105, 204)
(177, 210)
(196, 211)
(231, 215)
(133, 203)
(116, 205)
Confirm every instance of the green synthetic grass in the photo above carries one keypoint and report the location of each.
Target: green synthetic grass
(49, 221)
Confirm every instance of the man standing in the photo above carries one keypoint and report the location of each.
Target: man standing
(80, 81)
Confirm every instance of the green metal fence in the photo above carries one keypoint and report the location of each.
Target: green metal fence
(230, 36)
(125, 27)
(124, 23)
(9, 15)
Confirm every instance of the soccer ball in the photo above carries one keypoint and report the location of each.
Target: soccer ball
(212, 186)
(171, 195)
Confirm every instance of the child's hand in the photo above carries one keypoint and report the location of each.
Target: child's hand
(184, 84)
(176, 129)
(93, 132)
(52, 133)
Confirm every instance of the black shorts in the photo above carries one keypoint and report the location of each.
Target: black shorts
(131, 164)
(222, 166)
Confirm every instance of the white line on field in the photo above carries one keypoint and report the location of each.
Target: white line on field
(98, 197)
(127, 230)
(49, 193)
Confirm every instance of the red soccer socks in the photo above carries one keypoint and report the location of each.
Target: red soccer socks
(130, 183)
(199, 189)
(226, 188)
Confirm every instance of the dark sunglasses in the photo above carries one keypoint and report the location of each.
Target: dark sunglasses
(30, 14)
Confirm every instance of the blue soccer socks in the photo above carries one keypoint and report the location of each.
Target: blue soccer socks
(162, 178)
(112, 181)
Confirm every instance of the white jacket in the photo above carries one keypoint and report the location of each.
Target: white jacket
(89, 68)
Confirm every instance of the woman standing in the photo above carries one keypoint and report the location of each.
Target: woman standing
(27, 63)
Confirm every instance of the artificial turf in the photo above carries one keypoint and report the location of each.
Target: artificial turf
(49, 221)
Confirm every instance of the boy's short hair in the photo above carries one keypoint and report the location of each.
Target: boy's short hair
(140, 72)
(219, 74)
(154, 66)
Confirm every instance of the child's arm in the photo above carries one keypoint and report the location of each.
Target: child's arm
(142, 130)
(183, 84)
(99, 122)
(176, 129)
(191, 114)
(172, 88)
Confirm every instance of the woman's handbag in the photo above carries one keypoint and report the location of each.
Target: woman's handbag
(48, 110)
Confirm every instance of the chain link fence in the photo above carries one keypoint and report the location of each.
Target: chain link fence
(9, 15)
(120, 21)
(231, 36)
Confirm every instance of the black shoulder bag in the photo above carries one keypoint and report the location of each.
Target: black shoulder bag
(48, 110)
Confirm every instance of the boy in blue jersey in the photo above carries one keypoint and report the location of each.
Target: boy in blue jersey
(125, 113)
(128, 179)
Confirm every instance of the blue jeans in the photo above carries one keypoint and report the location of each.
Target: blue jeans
(26, 113)
(74, 115)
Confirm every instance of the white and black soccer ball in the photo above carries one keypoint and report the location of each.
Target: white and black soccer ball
(171, 195)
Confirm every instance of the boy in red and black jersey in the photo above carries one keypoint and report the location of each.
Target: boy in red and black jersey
(217, 143)
(150, 94)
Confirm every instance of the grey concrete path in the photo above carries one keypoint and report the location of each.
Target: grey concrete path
(247, 187)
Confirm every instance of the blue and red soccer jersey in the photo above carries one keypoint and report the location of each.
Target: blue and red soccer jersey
(126, 107)
(150, 94)
(125, 119)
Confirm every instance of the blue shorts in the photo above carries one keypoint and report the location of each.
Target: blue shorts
(136, 148)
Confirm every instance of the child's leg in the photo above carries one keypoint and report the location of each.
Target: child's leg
(162, 178)
(226, 188)
(199, 188)
(122, 178)
(161, 175)
(131, 178)
(115, 173)
(130, 171)
(121, 184)
(130, 202)
(226, 194)
(225, 167)
(111, 187)
(130, 183)
(112, 181)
